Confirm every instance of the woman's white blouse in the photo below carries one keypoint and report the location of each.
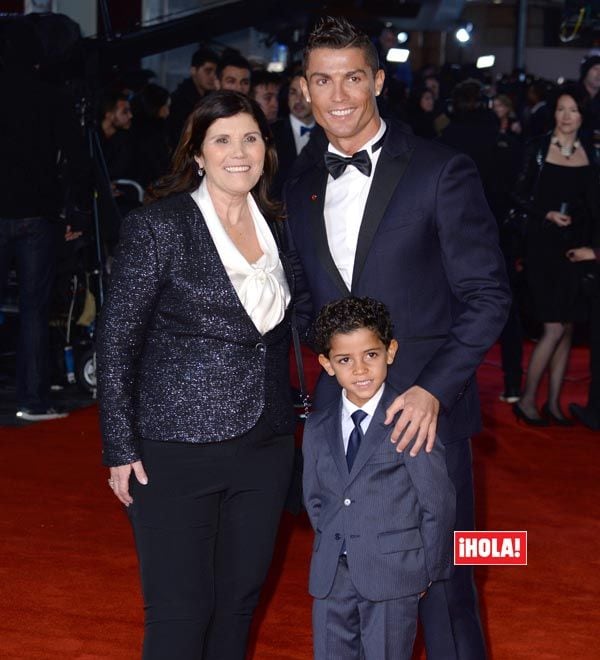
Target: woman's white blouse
(262, 286)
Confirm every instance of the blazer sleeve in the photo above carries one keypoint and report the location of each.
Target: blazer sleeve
(475, 270)
(303, 307)
(310, 483)
(132, 294)
(437, 499)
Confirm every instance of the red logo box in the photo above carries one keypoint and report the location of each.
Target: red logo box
(490, 548)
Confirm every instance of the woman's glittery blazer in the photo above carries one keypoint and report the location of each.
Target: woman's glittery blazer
(178, 357)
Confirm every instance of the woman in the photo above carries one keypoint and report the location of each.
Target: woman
(504, 111)
(151, 108)
(558, 189)
(195, 403)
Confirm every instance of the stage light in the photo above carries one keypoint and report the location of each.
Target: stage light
(462, 35)
(486, 61)
(402, 37)
(276, 67)
(397, 54)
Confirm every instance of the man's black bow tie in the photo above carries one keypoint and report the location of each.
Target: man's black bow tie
(337, 164)
(305, 129)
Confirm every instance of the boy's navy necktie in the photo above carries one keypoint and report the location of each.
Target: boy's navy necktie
(355, 437)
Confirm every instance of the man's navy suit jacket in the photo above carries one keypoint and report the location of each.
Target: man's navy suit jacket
(394, 512)
(427, 248)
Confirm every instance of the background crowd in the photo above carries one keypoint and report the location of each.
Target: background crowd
(498, 122)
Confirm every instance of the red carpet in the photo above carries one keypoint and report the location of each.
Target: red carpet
(68, 576)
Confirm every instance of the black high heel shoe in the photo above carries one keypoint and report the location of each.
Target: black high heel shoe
(520, 414)
(554, 419)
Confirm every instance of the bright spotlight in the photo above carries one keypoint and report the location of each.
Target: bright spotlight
(486, 61)
(462, 35)
(397, 54)
(402, 37)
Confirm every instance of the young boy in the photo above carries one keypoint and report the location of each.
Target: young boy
(383, 520)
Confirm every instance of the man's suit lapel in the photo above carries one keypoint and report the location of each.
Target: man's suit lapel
(390, 168)
(375, 435)
(333, 433)
(317, 185)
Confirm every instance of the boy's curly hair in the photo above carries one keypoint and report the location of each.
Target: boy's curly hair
(348, 314)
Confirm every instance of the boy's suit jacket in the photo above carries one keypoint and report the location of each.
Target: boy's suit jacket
(396, 513)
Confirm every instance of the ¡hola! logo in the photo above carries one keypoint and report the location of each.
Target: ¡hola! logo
(490, 548)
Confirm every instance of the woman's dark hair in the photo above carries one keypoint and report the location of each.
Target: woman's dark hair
(416, 94)
(348, 314)
(338, 33)
(576, 92)
(184, 177)
(149, 100)
(467, 97)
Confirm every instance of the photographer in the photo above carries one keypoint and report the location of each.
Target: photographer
(38, 134)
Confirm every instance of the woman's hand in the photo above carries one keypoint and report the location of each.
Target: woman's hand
(558, 218)
(119, 480)
(581, 254)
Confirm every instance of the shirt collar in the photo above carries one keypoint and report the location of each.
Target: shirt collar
(368, 145)
(348, 407)
(297, 124)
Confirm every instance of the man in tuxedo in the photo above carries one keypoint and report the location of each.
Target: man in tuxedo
(375, 211)
(292, 133)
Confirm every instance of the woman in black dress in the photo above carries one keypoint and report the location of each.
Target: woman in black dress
(559, 189)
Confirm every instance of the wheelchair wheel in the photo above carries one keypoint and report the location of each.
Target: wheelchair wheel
(85, 371)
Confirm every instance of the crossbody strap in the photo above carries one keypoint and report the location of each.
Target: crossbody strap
(305, 396)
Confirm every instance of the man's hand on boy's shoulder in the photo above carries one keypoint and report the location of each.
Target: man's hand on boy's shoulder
(418, 420)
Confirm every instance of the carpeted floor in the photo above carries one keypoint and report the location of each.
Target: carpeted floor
(68, 576)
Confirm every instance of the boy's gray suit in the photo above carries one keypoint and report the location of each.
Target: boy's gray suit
(396, 513)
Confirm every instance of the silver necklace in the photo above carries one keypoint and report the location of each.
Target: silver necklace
(566, 150)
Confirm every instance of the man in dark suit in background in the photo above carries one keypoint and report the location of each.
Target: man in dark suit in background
(538, 120)
(233, 72)
(292, 133)
(381, 213)
(202, 81)
(265, 91)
